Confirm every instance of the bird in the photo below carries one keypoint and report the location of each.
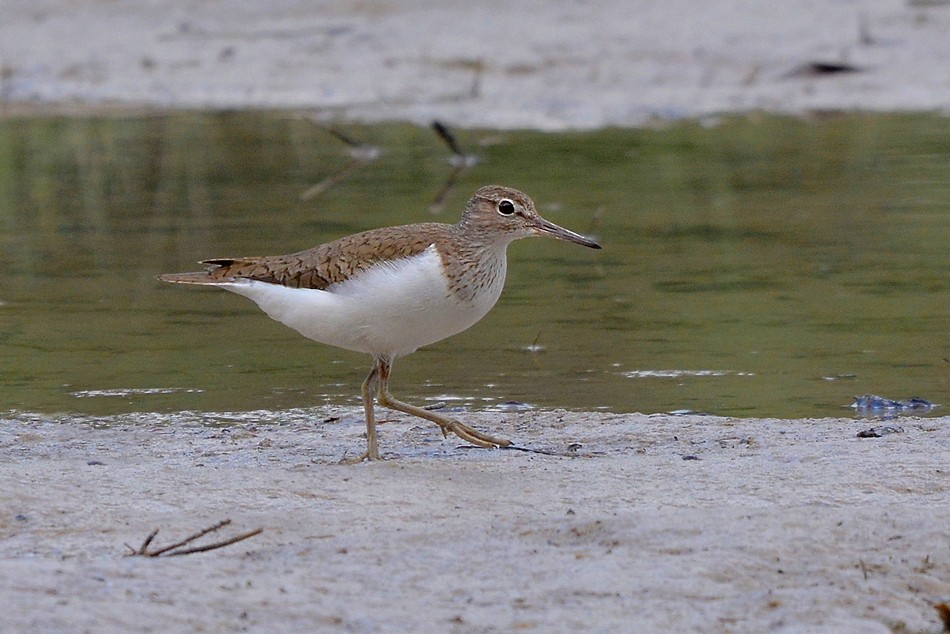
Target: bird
(387, 292)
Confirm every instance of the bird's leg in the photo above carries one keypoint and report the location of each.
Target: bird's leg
(464, 432)
(368, 390)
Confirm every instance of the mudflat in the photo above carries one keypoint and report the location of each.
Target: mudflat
(645, 523)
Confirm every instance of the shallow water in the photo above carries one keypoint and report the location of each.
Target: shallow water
(751, 266)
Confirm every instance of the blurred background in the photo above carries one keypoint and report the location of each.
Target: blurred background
(770, 185)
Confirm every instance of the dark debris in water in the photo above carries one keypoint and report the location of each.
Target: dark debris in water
(822, 69)
(880, 406)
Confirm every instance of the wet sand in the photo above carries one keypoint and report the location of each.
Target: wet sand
(486, 64)
(660, 523)
(657, 523)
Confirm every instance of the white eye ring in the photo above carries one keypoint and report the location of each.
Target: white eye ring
(506, 207)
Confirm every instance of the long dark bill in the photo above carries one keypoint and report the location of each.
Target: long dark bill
(545, 227)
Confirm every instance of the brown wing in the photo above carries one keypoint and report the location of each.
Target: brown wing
(321, 266)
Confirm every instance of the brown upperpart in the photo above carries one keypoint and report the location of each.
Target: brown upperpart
(481, 229)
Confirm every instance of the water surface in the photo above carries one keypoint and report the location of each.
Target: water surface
(751, 266)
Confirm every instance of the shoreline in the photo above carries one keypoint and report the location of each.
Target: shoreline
(577, 67)
(672, 523)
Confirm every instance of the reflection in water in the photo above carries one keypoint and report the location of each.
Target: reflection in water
(757, 267)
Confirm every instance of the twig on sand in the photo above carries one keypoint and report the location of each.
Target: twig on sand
(176, 548)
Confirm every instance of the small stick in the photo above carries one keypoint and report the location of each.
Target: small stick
(190, 538)
(173, 549)
(341, 137)
(227, 542)
(144, 547)
(447, 137)
(543, 452)
(362, 155)
(438, 204)
(315, 190)
(461, 162)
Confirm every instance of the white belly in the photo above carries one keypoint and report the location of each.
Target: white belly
(390, 310)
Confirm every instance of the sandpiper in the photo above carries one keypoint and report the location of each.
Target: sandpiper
(387, 292)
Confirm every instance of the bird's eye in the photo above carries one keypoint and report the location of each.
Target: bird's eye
(506, 207)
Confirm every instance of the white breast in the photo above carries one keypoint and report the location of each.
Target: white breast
(389, 310)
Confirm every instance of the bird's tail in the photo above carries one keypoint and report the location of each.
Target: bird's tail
(218, 271)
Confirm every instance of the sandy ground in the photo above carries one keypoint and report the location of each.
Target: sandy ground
(657, 524)
(560, 64)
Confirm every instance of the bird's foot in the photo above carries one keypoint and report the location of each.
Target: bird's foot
(371, 456)
(473, 436)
